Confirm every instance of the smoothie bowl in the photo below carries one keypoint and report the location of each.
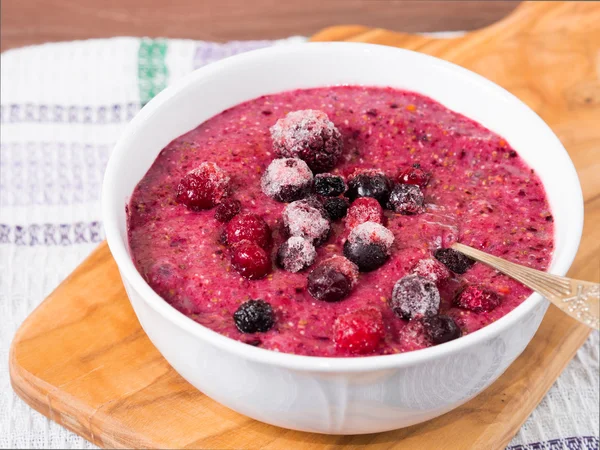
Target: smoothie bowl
(281, 221)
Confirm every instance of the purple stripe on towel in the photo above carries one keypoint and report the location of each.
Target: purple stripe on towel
(50, 234)
(570, 443)
(85, 114)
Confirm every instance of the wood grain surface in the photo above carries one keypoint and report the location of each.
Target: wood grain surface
(82, 359)
(26, 22)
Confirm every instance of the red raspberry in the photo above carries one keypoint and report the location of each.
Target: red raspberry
(204, 187)
(414, 175)
(364, 209)
(250, 260)
(359, 331)
(228, 210)
(477, 299)
(248, 227)
(432, 269)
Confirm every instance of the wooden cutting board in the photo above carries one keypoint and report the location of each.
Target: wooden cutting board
(83, 360)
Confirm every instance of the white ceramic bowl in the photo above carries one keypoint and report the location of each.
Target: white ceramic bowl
(336, 395)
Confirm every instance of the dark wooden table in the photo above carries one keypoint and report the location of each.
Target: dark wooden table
(26, 22)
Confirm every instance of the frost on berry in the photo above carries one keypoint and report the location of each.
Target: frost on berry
(343, 266)
(310, 136)
(204, 187)
(363, 209)
(414, 296)
(369, 246)
(248, 227)
(307, 219)
(477, 299)
(407, 199)
(296, 254)
(431, 269)
(287, 179)
(332, 280)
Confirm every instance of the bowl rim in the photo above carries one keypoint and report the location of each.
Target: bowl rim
(130, 274)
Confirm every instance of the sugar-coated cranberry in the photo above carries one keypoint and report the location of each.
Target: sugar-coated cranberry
(250, 260)
(329, 284)
(254, 316)
(414, 296)
(440, 329)
(364, 209)
(359, 332)
(414, 175)
(477, 299)
(406, 199)
(336, 207)
(296, 254)
(431, 269)
(227, 210)
(249, 227)
(369, 246)
(455, 261)
(310, 136)
(308, 219)
(369, 183)
(204, 187)
(287, 179)
(329, 185)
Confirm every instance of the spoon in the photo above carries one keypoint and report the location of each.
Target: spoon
(579, 299)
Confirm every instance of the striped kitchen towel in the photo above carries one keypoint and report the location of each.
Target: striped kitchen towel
(62, 108)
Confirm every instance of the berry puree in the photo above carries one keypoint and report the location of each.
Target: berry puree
(319, 222)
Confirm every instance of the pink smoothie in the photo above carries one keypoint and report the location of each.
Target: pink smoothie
(481, 193)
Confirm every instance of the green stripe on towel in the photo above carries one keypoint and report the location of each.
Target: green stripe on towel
(152, 68)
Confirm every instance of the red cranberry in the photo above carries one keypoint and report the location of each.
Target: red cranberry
(360, 331)
(227, 210)
(364, 209)
(204, 187)
(248, 227)
(414, 175)
(250, 260)
(477, 299)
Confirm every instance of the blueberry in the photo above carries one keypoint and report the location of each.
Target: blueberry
(406, 199)
(414, 296)
(329, 185)
(367, 256)
(441, 329)
(336, 207)
(453, 260)
(254, 316)
(329, 284)
(369, 183)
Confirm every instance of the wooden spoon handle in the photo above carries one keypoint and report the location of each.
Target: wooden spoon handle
(579, 299)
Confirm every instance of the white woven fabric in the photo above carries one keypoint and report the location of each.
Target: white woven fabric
(63, 107)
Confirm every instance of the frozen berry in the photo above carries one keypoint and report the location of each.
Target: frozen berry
(414, 175)
(329, 185)
(254, 316)
(307, 219)
(310, 136)
(453, 260)
(296, 254)
(414, 296)
(250, 260)
(287, 179)
(336, 207)
(328, 283)
(368, 246)
(364, 209)
(406, 199)
(360, 331)
(204, 187)
(345, 266)
(369, 183)
(248, 227)
(431, 269)
(477, 299)
(227, 210)
(440, 329)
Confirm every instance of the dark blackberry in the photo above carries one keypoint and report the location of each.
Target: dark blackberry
(453, 260)
(329, 185)
(336, 207)
(254, 316)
